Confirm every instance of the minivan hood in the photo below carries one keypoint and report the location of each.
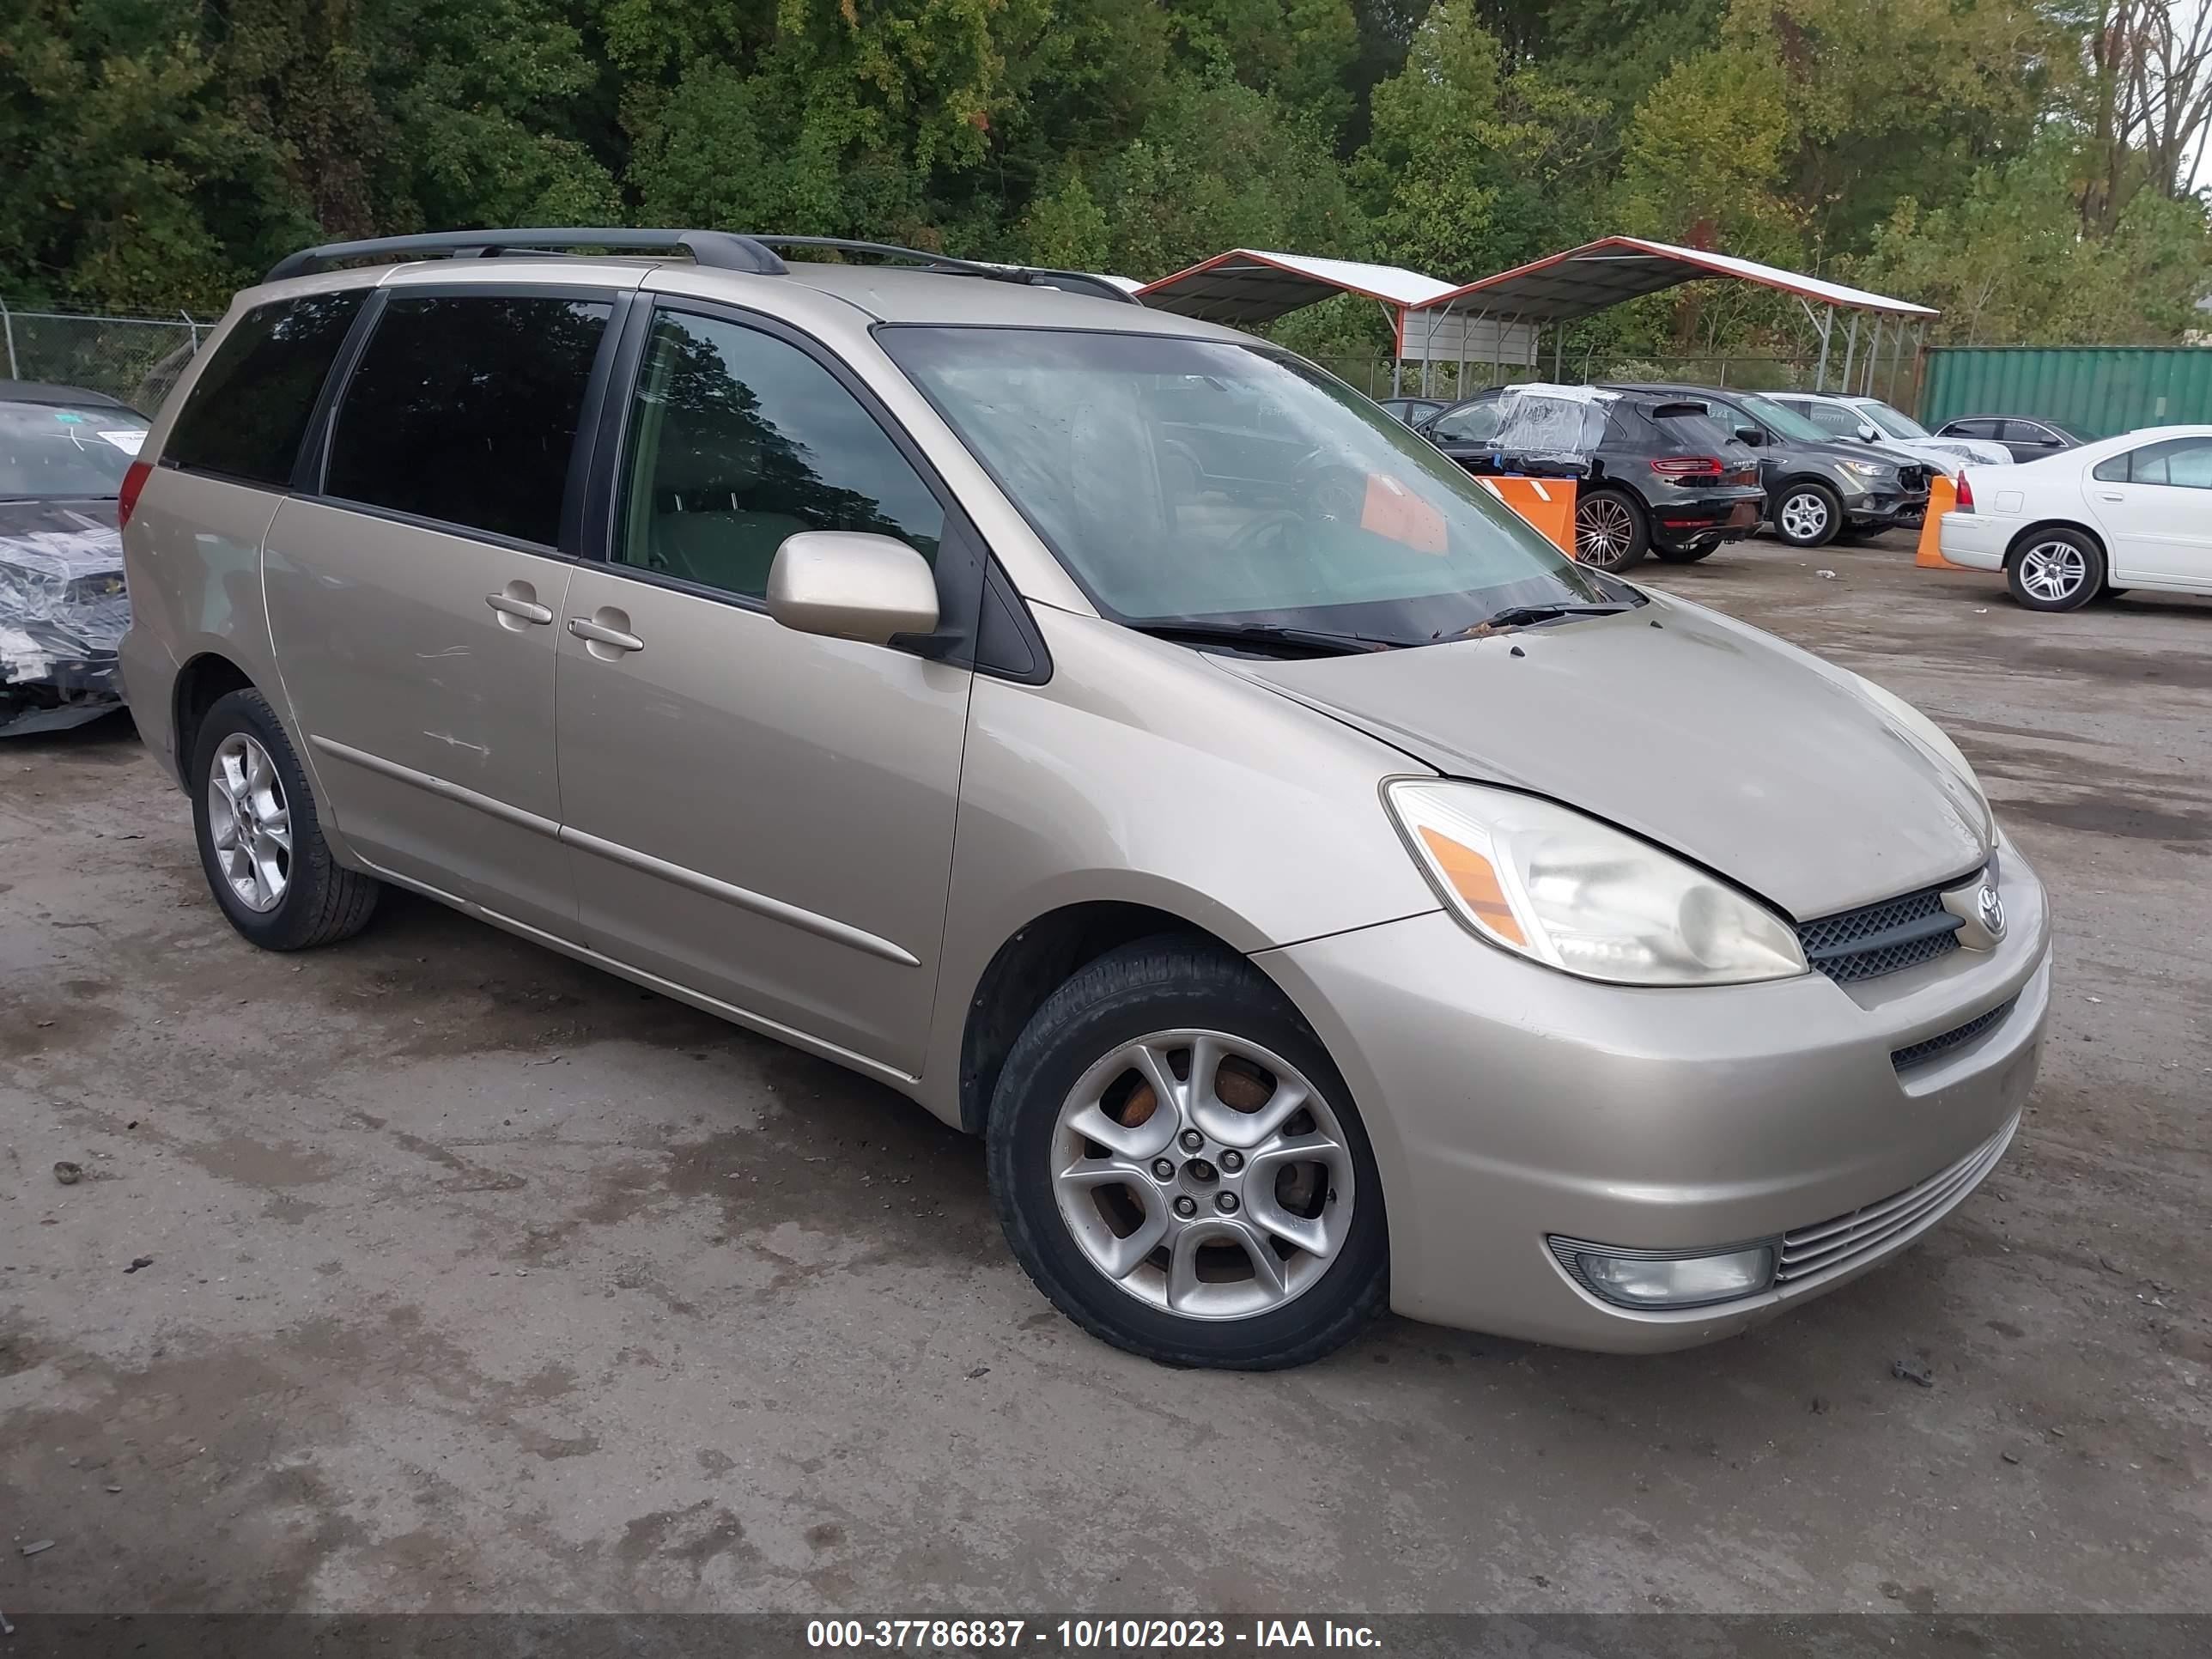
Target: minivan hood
(1743, 753)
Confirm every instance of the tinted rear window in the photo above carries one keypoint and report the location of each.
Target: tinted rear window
(249, 408)
(464, 409)
(1690, 426)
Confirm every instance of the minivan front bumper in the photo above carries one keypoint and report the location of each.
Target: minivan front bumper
(1511, 1106)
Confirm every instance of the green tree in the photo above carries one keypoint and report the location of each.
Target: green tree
(131, 180)
(2011, 265)
(1469, 168)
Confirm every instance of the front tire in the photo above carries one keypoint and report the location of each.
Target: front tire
(1610, 530)
(1808, 515)
(1178, 1164)
(2055, 570)
(260, 838)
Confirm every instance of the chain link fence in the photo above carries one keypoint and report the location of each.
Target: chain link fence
(136, 359)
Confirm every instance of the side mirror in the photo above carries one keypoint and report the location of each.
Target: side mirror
(1753, 435)
(1870, 433)
(847, 586)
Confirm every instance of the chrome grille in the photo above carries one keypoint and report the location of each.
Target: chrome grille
(1944, 1041)
(1880, 939)
(1835, 1244)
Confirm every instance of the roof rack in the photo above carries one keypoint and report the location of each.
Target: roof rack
(1073, 282)
(721, 250)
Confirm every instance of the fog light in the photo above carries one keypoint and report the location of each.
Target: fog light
(1647, 1278)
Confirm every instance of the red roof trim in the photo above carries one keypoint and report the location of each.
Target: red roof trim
(1656, 251)
(1204, 266)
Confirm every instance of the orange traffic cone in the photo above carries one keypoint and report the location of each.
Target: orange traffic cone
(1942, 497)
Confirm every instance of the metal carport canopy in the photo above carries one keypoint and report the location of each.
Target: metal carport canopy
(1248, 286)
(1603, 273)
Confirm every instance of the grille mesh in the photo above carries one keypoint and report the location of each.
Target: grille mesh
(1834, 1243)
(1945, 1042)
(1880, 939)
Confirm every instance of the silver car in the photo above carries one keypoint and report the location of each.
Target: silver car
(1318, 893)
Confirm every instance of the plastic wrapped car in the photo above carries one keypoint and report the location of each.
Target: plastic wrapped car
(63, 610)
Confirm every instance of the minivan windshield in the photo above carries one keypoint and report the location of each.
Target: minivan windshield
(1206, 484)
(54, 451)
(1894, 421)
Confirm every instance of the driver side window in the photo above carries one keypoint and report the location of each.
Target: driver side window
(738, 440)
(1829, 418)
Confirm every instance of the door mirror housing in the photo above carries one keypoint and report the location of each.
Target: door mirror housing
(844, 584)
(1870, 433)
(1753, 435)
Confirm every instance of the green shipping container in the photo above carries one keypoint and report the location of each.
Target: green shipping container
(2102, 390)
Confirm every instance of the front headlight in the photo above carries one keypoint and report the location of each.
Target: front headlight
(1576, 895)
(1870, 469)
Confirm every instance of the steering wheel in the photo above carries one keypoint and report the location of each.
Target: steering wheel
(1270, 526)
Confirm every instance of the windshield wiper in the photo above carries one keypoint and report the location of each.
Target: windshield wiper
(1310, 641)
(1522, 615)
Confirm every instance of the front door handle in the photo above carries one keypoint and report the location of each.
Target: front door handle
(606, 635)
(519, 601)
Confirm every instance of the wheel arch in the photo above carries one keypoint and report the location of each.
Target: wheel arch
(199, 684)
(1793, 480)
(1039, 958)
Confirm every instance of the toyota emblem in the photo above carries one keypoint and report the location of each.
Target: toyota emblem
(1991, 908)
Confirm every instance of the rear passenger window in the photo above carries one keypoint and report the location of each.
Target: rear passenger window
(738, 440)
(248, 411)
(464, 409)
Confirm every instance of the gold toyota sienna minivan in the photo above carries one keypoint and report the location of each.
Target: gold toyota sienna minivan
(1109, 730)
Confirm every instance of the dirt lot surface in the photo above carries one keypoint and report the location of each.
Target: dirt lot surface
(480, 1280)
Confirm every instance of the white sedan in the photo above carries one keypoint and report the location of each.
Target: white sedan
(2087, 522)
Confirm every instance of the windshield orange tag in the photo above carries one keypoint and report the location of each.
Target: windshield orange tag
(1396, 512)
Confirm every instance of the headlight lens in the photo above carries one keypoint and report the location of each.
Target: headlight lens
(1567, 891)
(1871, 469)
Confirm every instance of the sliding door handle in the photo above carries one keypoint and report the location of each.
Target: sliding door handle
(604, 639)
(521, 605)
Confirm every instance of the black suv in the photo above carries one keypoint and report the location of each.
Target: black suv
(1655, 473)
(1818, 486)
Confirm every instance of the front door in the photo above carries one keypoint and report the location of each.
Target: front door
(412, 604)
(2155, 506)
(761, 816)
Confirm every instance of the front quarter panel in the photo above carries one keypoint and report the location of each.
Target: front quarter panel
(1142, 773)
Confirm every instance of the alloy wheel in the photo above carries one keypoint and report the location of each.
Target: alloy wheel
(1202, 1175)
(250, 823)
(1605, 529)
(1804, 516)
(2053, 570)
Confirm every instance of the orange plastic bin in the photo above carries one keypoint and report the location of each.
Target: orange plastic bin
(1547, 504)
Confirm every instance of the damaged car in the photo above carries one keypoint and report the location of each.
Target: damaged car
(63, 451)
(1655, 473)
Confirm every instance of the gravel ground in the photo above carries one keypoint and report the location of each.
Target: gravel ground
(479, 1280)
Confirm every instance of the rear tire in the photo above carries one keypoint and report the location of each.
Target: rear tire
(1612, 531)
(1099, 1225)
(1808, 514)
(2055, 570)
(260, 838)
